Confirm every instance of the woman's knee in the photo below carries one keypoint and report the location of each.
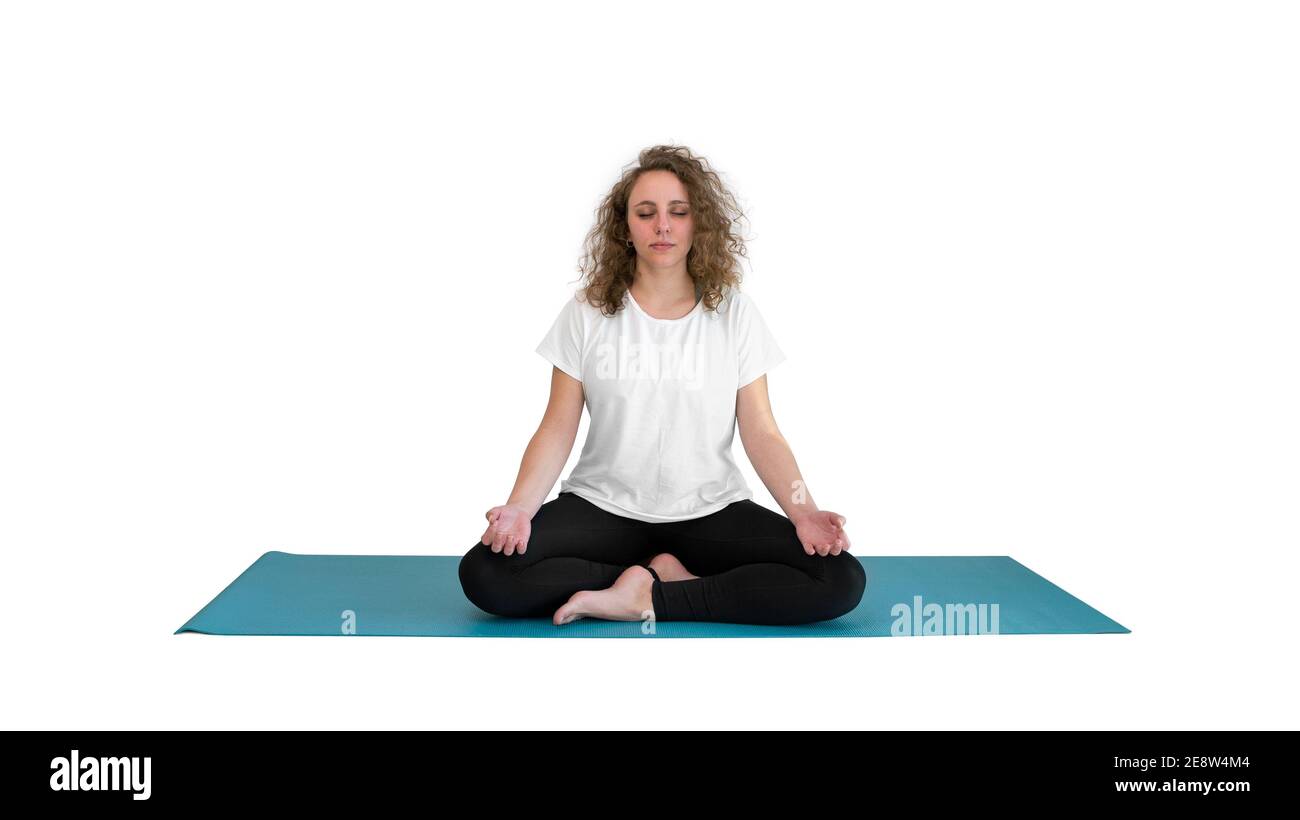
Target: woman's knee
(847, 581)
(485, 579)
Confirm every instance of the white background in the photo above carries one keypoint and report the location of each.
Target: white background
(273, 274)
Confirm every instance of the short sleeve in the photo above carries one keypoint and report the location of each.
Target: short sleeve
(562, 344)
(756, 349)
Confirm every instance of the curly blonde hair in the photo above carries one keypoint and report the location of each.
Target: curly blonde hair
(713, 261)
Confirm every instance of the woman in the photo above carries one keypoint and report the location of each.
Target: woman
(655, 521)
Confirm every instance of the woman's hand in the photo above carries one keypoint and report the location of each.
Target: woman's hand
(509, 526)
(822, 532)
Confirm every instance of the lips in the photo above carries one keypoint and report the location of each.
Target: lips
(661, 246)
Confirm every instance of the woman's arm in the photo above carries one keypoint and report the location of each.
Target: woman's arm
(544, 459)
(550, 446)
(819, 530)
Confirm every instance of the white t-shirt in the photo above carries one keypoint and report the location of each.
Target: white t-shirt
(661, 396)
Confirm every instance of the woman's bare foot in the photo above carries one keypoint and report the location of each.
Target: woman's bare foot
(627, 600)
(669, 568)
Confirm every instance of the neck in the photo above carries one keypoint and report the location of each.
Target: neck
(663, 286)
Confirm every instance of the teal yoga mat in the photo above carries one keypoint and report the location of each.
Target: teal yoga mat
(286, 593)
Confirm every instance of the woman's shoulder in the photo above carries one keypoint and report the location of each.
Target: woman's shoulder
(734, 302)
(578, 311)
(576, 303)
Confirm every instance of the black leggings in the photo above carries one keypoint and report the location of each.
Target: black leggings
(752, 566)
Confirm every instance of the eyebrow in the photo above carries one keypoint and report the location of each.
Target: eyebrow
(648, 202)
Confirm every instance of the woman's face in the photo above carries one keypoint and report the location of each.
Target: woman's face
(659, 219)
